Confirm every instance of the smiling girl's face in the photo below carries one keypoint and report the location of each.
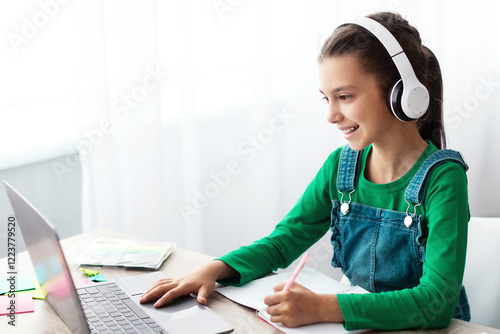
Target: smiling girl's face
(356, 103)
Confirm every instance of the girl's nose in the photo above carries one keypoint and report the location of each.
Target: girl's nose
(334, 114)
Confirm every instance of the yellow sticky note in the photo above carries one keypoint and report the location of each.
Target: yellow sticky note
(38, 293)
(89, 272)
(35, 294)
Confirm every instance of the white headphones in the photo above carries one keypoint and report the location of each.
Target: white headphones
(407, 98)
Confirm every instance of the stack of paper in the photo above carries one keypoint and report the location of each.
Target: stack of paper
(125, 253)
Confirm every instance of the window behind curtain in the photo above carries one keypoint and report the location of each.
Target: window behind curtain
(38, 88)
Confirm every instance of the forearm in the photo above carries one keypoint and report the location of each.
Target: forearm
(290, 239)
(429, 305)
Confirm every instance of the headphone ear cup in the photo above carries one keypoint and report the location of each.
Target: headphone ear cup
(394, 95)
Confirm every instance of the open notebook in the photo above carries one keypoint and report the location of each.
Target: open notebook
(252, 295)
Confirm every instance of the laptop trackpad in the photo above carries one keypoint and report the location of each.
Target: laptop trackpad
(183, 315)
(186, 315)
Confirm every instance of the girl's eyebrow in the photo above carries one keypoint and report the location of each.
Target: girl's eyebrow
(338, 89)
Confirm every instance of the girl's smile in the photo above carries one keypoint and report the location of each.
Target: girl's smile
(348, 133)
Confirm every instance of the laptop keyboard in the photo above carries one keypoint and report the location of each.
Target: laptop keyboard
(110, 310)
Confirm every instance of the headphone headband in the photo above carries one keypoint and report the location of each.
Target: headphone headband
(414, 96)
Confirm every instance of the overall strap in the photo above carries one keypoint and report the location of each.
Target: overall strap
(415, 191)
(348, 169)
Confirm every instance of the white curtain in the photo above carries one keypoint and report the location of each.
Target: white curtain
(203, 123)
(122, 145)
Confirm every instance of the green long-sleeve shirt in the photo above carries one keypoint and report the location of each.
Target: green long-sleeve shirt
(444, 210)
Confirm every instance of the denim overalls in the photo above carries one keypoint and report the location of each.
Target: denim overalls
(379, 249)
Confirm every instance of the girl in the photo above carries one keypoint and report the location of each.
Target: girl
(395, 202)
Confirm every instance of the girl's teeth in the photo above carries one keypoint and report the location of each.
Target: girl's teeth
(350, 130)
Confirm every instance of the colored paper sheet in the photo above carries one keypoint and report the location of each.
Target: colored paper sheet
(98, 278)
(89, 272)
(38, 293)
(22, 282)
(35, 294)
(85, 281)
(59, 286)
(23, 303)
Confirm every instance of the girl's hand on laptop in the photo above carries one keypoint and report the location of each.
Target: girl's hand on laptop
(200, 282)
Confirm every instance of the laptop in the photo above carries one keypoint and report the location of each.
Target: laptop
(110, 307)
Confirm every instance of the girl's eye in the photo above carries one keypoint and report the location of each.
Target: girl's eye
(345, 97)
(325, 99)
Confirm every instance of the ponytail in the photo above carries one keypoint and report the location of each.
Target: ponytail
(431, 124)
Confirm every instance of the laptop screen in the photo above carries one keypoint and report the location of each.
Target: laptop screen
(48, 261)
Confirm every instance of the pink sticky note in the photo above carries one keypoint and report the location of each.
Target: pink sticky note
(21, 304)
(85, 281)
(59, 286)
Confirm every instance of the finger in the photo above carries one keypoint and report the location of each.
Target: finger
(284, 320)
(159, 290)
(273, 310)
(203, 293)
(279, 287)
(276, 318)
(157, 284)
(272, 299)
(169, 296)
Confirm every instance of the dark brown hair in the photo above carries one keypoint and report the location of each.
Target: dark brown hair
(351, 39)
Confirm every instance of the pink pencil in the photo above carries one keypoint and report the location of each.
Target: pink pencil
(296, 272)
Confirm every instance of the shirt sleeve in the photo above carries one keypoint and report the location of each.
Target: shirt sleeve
(305, 224)
(432, 303)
